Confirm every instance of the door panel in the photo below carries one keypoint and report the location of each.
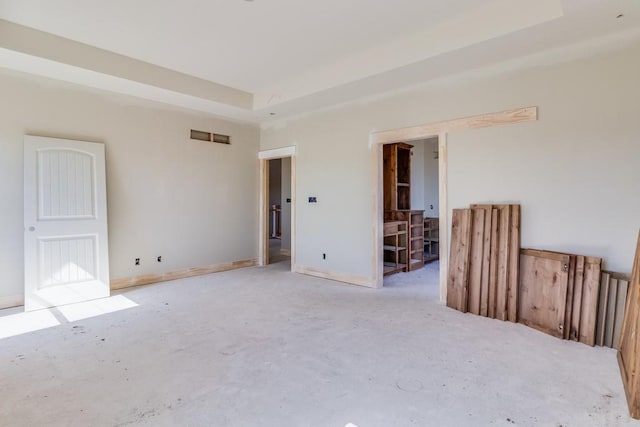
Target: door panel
(66, 258)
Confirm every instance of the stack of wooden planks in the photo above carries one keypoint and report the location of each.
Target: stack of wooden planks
(559, 294)
(611, 303)
(484, 261)
(628, 356)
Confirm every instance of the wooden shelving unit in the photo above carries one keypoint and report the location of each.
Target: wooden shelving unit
(431, 239)
(415, 220)
(397, 176)
(395, 247)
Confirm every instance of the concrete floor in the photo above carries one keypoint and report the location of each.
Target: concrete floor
(264, 347)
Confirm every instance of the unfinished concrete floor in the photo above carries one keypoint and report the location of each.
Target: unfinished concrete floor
(264, 347)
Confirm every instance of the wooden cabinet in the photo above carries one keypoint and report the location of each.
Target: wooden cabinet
(395, 246)
(397, 176)
(431, 239)
(415, 242)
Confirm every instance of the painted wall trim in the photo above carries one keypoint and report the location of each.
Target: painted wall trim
(277, 153)
(518, 115)
(335, 276)
(11, 301)
(148, 279)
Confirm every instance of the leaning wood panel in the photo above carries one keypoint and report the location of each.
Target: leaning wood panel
(602, 308)
(493, 263)
(611, 313)
(589, 307)
(503, 262)
(514, 264)
(486, 260)
(630, 341)
(623, 287)
(476, 261)
(578, 283)
(543, 290)
(569, 306)
(458, 280)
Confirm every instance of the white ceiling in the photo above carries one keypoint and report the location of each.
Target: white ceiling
(296, 55)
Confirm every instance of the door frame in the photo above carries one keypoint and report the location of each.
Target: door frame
(263, 216)
(440, 129)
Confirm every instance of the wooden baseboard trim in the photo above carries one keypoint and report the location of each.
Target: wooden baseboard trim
(148, 279)
(11, 301)
(332, 275)
(285, 252)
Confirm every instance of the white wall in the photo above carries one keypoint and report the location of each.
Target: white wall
(194, 203)
(286, 207)
(431, 178)
(574, 171)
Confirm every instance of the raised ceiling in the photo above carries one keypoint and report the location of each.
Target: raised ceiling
(245, 59)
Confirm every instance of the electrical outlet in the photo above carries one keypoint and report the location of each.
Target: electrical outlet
(324, 256)
(313, 199)
(137, 261)
(160, 258)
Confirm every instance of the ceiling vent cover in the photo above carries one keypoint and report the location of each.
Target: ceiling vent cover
(210, 137)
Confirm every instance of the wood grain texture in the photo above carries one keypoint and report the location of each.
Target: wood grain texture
(623, 288)
(493, 263)
(179, 274)
(602, 308)
(569, 306)
(476, 261)
(513, 274)
(628, 356)
(543, 290)
(486, 260)
(590, 294)
(578, 282)
(518, 115)
(458, 280)
(503, 262)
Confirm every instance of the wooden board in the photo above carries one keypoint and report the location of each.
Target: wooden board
(602, 308)
(610, 313)
(630, 341)
(504, 229)
(486, 260)
(569, 306)
(589, 307)
(513, 274)
(493, 263)
(578, 283)
(543, 290)
(623, 287)
(458, 279)
(476, 261)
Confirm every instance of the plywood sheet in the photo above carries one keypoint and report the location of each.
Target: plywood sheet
(578, 283)
(514, 264)
(602, 308)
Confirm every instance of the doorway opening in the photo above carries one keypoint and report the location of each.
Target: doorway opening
(279, 218)
(411, 204)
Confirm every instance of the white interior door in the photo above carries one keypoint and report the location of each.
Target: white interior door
(65, 219)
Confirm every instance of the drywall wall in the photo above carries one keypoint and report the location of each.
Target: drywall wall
(574, 171)
(194, 203)
(431, 193)
(286, 206)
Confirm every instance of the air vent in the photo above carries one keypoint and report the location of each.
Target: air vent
(210, 137)
(200, 135)
(221, 139)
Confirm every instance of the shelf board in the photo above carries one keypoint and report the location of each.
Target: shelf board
(394, 248)
(432, 239)
(416, 237)
(402, 184)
